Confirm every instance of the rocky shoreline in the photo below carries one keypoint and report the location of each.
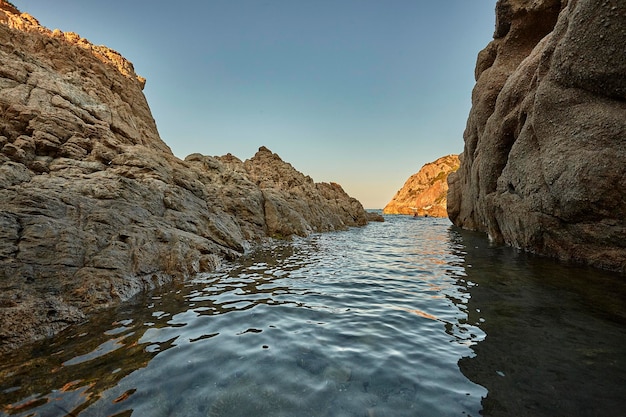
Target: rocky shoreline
(542, 168)
(95, 208)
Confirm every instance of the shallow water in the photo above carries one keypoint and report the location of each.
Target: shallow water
(411, 317)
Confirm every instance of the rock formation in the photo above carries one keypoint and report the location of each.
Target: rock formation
(425, 193)
(95, 208)
(543, 164)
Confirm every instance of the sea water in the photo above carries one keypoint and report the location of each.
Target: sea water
(410, 317)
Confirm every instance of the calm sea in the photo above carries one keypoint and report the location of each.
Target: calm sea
(411, 317)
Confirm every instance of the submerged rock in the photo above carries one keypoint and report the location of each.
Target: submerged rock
(95, 208)
(542, 167)
(425, 193)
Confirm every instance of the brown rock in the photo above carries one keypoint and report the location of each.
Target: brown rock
(95, 208)
(294, 202)
(425, 193)
(541, 169)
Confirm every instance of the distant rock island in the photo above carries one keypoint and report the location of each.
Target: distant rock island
(425, 193)
(543, 165)
(95, 208)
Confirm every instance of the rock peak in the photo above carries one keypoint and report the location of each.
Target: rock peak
(13, 18)
(9, 7)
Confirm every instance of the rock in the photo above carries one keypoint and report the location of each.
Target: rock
(95, 208)
(372, 216)
(425, 193)
(542, 165)
(293, 203)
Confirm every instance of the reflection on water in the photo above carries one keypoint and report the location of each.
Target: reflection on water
(411, 317)
(556, 335)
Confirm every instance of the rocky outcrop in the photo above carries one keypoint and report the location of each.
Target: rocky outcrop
(542, 167)
(95, 208)
(425, 193)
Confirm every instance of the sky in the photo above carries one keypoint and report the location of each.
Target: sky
(358, 92)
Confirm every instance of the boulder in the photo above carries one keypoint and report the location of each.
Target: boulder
(541, 166)
(95, 208)
(425, 193)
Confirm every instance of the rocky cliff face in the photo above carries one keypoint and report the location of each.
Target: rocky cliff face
(542, 167)
(94, 207)
(425, 193)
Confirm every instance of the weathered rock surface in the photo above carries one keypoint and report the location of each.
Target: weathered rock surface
(543, 165)
(95, 208)
(425, 193)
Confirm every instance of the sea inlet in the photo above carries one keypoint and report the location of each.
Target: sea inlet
(410, 317)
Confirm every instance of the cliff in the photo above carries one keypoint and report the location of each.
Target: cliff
(542, 168)
(425, 193)
(95, 208)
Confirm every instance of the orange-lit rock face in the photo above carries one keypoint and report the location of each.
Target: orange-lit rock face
(425, 193)
(542, 166)
(24, 22)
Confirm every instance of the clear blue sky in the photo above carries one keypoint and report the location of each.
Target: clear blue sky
(359, 92)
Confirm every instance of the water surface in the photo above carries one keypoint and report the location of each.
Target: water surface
(410, 317)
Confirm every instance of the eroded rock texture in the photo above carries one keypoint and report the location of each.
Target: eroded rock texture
(425, 192)
(545, 144)
(95, 208)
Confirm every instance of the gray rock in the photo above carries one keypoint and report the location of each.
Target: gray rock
(542, 167)
(94, 207)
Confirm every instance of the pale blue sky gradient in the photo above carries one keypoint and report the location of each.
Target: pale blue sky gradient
(359, 92)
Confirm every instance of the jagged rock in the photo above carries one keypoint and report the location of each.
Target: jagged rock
(95, 208)
(542, 167)
(373, 216)
(425, 193)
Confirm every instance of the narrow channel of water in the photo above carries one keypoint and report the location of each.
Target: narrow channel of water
(411, 317)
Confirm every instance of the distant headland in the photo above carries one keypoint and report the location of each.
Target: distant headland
(425, 192)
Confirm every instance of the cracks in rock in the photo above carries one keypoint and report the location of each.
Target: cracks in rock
(263, 205)
(20, 236)
(12, 231)
(15, 122)
(511, 188)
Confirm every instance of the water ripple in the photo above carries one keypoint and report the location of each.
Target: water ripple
(370, 322)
